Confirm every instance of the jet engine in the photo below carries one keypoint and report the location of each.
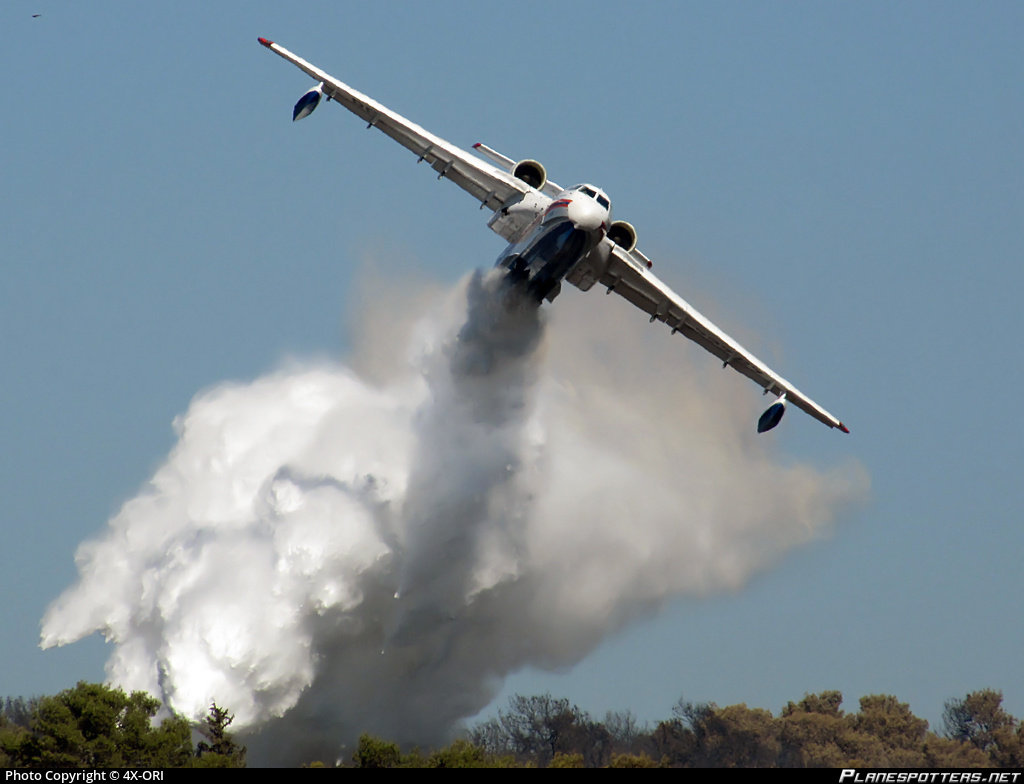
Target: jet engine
(531, 172)
(623, 234)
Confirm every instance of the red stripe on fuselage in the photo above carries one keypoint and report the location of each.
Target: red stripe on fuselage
(556, 204)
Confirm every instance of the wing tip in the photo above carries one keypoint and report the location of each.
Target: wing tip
(266, 42)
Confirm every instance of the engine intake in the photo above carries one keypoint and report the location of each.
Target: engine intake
(531, 172)
(623, 234)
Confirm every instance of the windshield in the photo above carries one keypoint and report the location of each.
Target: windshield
(601, 198)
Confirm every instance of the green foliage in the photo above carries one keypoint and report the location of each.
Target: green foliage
(537, 728)
(632, 761)
(707, 736)
(813, 733)
(948, 753)
(94, 726)
(11, 738)
(890, 720)
(816, 732)
(980, 720)
(693, 715)
(674, 742)
(893, 737)
(563, 760)
(221, 751)
(743, 737)
(463, 754)
(372, 752)
(17, 711)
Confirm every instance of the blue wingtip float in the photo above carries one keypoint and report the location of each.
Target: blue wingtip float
(308, 102)
(772, 416)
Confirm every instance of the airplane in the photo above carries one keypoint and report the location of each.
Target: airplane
(557, 234)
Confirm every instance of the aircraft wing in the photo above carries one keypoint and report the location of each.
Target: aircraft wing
(491, 186)
(628, 275)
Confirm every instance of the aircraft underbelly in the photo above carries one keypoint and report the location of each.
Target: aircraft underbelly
(548, 256)
(556, 252)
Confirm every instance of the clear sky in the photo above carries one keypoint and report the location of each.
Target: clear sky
(839, 185)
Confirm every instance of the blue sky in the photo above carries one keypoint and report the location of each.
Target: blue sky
(838, 185)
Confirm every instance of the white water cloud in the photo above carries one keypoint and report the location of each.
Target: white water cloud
(329, 551)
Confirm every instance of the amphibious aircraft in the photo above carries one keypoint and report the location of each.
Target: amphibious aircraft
(557, 234)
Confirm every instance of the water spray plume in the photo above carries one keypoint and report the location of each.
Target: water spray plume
(328, 552)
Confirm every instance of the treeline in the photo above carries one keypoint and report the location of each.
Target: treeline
(814, 732)
(94, 726)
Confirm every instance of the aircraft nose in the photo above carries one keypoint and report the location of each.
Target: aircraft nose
(586, 214)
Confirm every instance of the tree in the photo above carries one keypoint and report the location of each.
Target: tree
(939, 752)
(12, 735)
(622, 726)
(561, 760)
(827, 704)
(463, 754)
(18, 711)
(627, 736)
(693, 714)
(674, 743)
(221, 751)
(632, 761)
(94, 726)
(372, 752)
(732, 737)
(900, 734)
(533, 728)
(813, 733)
(980, 720)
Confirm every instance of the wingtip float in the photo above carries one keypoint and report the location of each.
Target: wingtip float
(772, 416)
(556, 234)
(308, 102)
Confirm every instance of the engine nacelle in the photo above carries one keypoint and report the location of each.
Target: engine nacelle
(531, 172)
(622, 234)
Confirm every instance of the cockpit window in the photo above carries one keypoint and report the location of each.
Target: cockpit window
(601, 198)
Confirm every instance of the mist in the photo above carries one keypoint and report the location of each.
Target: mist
(374, 545)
